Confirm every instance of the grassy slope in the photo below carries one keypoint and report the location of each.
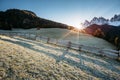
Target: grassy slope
(65, 34)
(25, 59)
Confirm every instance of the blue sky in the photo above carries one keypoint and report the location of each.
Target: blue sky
(71, 12)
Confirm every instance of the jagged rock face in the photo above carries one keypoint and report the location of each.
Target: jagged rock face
(115, 18)
(86, 23)
(115, 21)
(15, 18)
(99, 21)
(95, 20)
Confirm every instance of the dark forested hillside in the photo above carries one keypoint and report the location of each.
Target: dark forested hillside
(15, 18)
(107, 32)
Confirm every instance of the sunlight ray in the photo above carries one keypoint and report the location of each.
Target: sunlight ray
(78, 37)
(66, 34)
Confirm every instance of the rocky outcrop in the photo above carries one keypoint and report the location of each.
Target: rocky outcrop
(115, 18)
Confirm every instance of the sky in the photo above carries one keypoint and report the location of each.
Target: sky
(71, 12)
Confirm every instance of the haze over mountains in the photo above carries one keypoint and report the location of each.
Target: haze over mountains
(114, 21)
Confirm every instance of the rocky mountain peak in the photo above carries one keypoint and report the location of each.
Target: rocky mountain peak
(115, 21)
(115, 18)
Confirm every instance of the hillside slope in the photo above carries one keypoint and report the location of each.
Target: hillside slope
(26, 59)
(16, 18)
(68, 35)
(107, 32)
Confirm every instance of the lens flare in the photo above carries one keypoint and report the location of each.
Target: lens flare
(78, 26)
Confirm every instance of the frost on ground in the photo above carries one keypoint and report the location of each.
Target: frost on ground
(64, 34)
(22, 59)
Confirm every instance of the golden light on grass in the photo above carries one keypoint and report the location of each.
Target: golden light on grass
(76, 32)
(66, 34)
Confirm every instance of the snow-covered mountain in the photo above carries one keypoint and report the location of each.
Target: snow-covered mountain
(115, 18)
(115, 21)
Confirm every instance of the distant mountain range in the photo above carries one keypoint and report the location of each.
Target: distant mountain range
(16, 18)
(108, 29)
(107, 32)
(114, 21)
(99, 27)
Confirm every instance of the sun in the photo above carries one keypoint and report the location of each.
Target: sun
(78, 26)
(77, 23)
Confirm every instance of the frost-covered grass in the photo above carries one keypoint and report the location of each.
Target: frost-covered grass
(65, 34)
(22, 59)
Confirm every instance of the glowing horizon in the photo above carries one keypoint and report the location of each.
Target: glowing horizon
(70, 12)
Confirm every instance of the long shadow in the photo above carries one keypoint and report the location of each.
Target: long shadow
(85, 68)
(97, 62)
(75, 55)
(18, 42)
(40, 44)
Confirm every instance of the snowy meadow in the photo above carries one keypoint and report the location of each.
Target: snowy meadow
(68, 35)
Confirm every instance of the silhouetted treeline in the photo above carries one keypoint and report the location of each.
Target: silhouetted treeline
(107, 32)
(15, 18)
